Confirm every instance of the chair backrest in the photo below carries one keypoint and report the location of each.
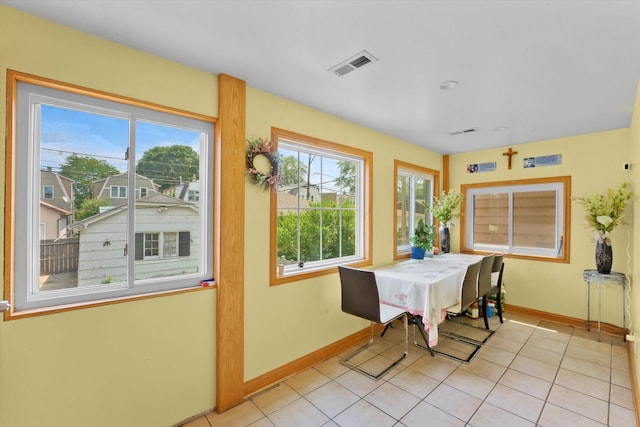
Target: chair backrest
(484, 277)
(360, 293)
(498, 268)
(470, 286)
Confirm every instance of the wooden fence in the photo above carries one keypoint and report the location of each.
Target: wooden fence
(59, 256)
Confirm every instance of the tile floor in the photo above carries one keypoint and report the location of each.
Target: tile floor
(529, 373)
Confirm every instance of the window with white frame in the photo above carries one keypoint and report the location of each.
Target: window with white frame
(526, 218)
(105, 136)
(320, 206)
(415, 187)
(143, 191)
(118, 192)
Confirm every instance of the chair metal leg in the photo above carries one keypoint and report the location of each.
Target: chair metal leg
(376, 376)
(485, 302)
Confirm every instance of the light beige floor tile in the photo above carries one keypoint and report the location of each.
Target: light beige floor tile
(554, 416)
(554, 330)
(414, 382)
(505, 343)
(520, 336)
(357, 383)
(392, 400)
(535, 368)
(621, 417)
(582, 366)
(622, 396)
(198, 422)
(484, 368)
(241, 415)
(262, 422)
(419, 415)
(551, 344)
(275, 398)
(299, 413)
(490, 416)
(332, 367)
(453, 401)
(583, 383)
(580, 403)
(332, 398)
(516, 402)
(526, 383)
(540, 354)
(621, 378)
(589, 355)
(438, 368)
(363, 414)
(496, 355)
(469, 383)
(307, 381)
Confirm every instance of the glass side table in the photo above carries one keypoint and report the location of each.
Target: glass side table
(593, 277)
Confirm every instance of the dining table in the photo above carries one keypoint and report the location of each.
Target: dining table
(426, 288)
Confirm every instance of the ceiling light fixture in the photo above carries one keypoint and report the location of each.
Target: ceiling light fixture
(448, 85)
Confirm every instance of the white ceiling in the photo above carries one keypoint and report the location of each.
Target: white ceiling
(543, 69)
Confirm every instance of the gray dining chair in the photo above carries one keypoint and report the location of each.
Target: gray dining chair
(360, 298)
(470, 286)
(495, 289)
(484, 280)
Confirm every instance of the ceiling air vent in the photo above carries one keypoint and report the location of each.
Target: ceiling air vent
(460, 132)
(356, 62)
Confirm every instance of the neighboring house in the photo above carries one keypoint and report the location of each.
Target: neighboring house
(166, 241)
(188, 191)
(115, 188)
(56, 204)
(310, 193)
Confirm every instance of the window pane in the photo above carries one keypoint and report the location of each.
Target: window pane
(534, 219)
(82, 150)
(151, 244)
(402, 210)
(491, 219)
(168, 166)
(422, 196)
(310, 234)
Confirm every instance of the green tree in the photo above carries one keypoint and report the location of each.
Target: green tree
(84, 170)
(90, 207)
(169, 166)
(292, 171)
(346, 179)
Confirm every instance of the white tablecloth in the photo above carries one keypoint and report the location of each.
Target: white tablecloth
(428, 287)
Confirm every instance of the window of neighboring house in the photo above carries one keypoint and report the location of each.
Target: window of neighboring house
(415, 187)
(321, 210)
(118, 192)
(107, 136)
(47, 191)
(143, 192)
(527, 218)
(194, 196)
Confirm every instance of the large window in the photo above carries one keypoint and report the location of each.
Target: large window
(104, 145)
(321, 211)
(415, 187)
(524, 218)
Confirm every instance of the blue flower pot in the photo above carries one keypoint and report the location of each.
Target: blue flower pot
(417, 253)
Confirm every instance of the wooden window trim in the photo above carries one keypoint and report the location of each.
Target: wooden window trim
(367, 158)
(564, 180)
(397, 165)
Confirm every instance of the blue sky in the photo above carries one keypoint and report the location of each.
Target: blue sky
(66, 131)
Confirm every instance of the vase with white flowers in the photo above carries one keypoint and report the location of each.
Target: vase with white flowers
(604, 212)
(444, 209)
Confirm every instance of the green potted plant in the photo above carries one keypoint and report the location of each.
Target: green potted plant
(603, 213)
(422, 239)
(444, 209)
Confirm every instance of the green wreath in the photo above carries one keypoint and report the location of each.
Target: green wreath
(263, 148)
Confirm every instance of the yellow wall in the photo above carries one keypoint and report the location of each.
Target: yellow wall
(595, 163)
(144, 363)
(310, 309)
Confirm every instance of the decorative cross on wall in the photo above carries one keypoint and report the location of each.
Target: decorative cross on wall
(510, 153)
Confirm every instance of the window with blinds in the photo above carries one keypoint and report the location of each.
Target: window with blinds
(522, 217)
